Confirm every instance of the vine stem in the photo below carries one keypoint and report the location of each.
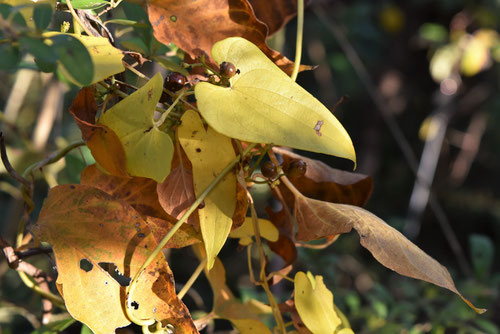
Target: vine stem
(298, 43)
(262, 274)
(130, 289)
(192, 279)
(167, 112)
(75, 17)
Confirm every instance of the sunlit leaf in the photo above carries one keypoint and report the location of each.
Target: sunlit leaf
(148, 149)
(314, 302)
(209, 153)
(87, 4)
(174, 22)
(246, 231)
(317, 219)
(99, 243)
(74, 57)
(264, 105)
(106, 60)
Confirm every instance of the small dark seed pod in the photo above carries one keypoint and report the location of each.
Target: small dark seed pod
(175, 81)
(227, 69)
(268, 169)
(297, 168)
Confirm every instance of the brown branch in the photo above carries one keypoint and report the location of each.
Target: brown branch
(12, 172)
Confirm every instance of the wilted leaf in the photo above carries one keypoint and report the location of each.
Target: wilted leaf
(176, 192)
(105, 59)
(246, 231)
(102, 141)
(264, 105)
(317, 219)
(209, 153)
(99, 243)
(140, 193)
(227, 307)
(314, 302)
(148, 149)
(274, 13)
(194, 26)
(325, 183)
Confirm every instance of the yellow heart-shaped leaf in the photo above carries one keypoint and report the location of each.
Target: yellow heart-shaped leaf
(264, 105)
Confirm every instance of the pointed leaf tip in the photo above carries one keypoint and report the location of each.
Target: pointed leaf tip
(264, 105)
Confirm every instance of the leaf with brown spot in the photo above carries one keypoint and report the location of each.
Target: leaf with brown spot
(318, 219)
(84, 223)
(274, 13)
(194, 26)
(104, 144)
(325, 183)
(140, 193)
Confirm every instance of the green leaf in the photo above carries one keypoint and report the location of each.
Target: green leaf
(54, 327)
(170, 64)
(10, 56)
(42, 14)
(264, 105)
(128, 23)
(106, 60)
(148, 150)
(87, 4)
(482, 253)
(74, 57)
(86, 330)
(314, 302)
(45, 57)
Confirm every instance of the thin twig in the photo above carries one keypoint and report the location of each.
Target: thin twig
(12, 172)
(298, 43)
(192, 279)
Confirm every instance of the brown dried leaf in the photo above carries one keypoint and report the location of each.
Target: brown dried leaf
(274, 13)
(104, 144)
(176, 192)
(288, 306)
(325, 183)
(318, 219)
(140, 193)
(85, 224)
(194, 26)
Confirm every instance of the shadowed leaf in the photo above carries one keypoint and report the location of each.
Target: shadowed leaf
(274, 13)
(317, 219)
(264, 105)
(195, 26)
(328, 184)
(102, 142)
(209, 153)
(88, 229)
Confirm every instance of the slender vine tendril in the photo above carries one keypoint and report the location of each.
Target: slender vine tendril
(298, 43)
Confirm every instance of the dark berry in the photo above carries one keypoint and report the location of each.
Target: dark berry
(227, 69)
(297, 168)
(268, 169)
(175, 81)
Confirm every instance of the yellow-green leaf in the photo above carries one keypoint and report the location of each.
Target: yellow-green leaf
(245, 232)
(148, 150)
(314, 302)
(264, 105)
(107, 59)
(209, 153)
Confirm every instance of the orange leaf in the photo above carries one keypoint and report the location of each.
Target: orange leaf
(274, 13)
(140, 193)
(317, 219)
(104, 144)
(194, 26)
(99, 243)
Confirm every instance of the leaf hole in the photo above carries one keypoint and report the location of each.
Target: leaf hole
(135, 305)
(111, 269)
(86, 265)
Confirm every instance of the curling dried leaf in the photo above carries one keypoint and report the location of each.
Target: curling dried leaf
(105, 146)
(209, 153)
(314, 302)
(264, 105)
(99, 243)
(318, 219)
(148, 149)
(274, 13)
